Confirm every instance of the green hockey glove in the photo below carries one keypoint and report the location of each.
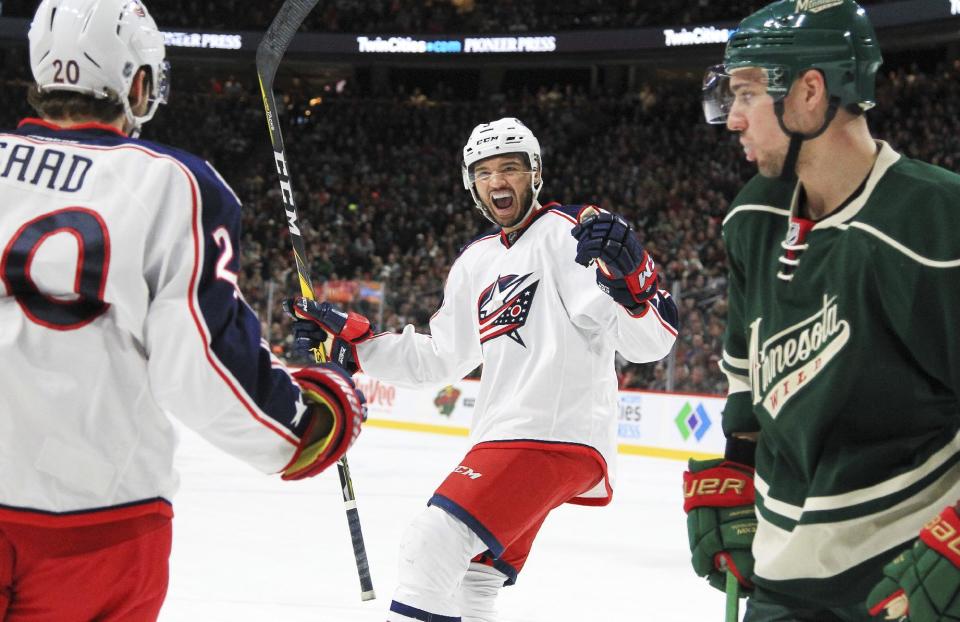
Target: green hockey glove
(721, 521)
(923, 583)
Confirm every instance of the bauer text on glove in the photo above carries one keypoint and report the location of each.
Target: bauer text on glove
(721, 520)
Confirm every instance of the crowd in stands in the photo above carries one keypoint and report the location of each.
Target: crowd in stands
(380, 193)
(441, 16)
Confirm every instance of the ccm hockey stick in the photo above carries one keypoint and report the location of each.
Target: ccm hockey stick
(269, 53)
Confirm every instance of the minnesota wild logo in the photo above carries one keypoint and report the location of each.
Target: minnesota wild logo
(815, 6)
(786, 362)
(446, 400)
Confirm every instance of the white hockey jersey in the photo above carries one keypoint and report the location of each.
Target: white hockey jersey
(545, 334)
(118, 304)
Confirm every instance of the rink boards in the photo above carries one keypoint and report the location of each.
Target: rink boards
(658, 424)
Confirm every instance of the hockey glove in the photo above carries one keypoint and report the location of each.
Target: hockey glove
(337, 410)
(923, 583)
(721, 521)
(313, 321)
(625, 271)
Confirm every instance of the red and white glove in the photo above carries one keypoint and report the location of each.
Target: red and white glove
(313, 321)
(337, 411)
(625, 271)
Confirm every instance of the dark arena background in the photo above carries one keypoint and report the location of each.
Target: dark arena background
(378, 98)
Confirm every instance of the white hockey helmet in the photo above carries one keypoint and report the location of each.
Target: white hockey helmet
(501, 137)
(96, 47)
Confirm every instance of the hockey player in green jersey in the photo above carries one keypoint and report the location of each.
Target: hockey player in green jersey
(842, 347)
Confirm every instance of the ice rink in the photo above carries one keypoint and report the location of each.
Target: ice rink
(248, 547)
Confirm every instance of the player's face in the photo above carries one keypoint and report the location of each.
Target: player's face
(503, 185)
(752, 116)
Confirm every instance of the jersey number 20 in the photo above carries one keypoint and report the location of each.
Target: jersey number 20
(93, 260)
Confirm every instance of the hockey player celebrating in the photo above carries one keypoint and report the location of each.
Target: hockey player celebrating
(544, 427)
(118, 303)
(841, 346)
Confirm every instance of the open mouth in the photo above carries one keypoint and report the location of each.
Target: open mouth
(502, 200)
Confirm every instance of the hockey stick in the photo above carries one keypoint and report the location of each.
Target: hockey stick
(733, 598)
(269, 53)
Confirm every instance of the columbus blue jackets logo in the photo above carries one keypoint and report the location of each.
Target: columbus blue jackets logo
(504, 306)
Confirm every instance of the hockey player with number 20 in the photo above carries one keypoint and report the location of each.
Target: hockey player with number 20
(524, 301)
(119, 304)
(842, 348)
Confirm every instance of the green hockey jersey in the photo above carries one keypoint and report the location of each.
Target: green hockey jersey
(848, 363)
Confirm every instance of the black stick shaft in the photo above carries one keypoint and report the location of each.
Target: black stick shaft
(269, 54)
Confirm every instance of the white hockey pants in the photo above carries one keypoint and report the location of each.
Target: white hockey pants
(437, 581)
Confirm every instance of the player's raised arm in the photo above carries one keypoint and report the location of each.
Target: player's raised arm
(131, 314)
(409, 359)
(626, 298)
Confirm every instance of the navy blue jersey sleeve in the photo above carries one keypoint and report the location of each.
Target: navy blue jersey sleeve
(235, 335)
(216, 372)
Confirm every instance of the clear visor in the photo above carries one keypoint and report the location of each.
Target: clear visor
(722, 87)
(163, 83)
(483, 172)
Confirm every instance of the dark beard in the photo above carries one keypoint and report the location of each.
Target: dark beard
(526, 199)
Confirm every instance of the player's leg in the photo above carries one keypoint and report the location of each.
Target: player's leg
(111, 572)
(766, 606)
(478, 592)
(487, 575)
(434, 556)
(504, 493)
(142, 588)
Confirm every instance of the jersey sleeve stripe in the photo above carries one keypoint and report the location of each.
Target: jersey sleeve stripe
(735, 362)
(736, 383)
(917, 257)
(671, 321)
(241, 396)
(201, 327)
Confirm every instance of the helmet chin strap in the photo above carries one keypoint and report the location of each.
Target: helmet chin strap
(525, 215)
(789, 170)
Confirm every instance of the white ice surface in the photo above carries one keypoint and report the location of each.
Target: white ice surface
(249, 547)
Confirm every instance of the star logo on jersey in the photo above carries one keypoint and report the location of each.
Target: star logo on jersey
(504, 305)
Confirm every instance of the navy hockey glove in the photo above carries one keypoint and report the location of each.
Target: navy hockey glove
(625, 271)
(313, 321)
(721, 520)
(336, 409)
(923, 583)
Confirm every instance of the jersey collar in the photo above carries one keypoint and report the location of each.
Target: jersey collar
(509, 239)
(50, 125)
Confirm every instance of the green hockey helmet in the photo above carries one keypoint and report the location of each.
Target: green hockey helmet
(788, 37)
